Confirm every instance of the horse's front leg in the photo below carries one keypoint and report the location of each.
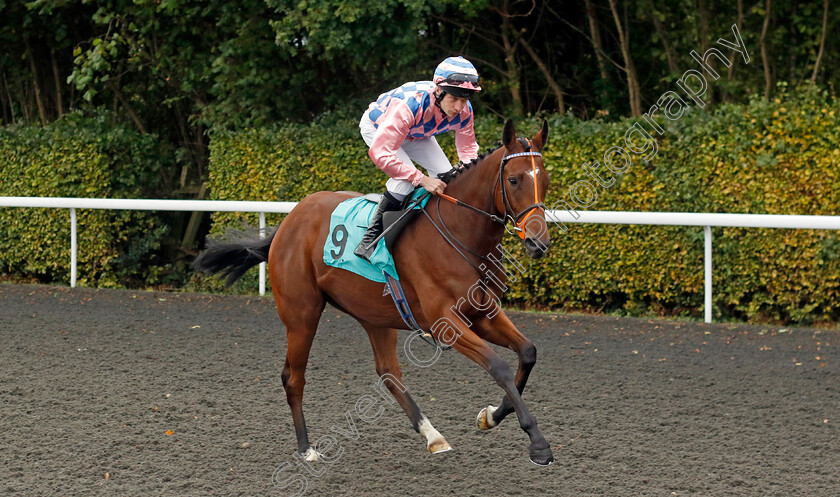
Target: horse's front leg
(472, 346)
(501, 331)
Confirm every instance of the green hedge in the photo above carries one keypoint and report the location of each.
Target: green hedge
(285, 162)
(78, 156)
(776, 157)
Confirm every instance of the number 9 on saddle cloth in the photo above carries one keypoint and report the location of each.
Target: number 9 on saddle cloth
(348, 224)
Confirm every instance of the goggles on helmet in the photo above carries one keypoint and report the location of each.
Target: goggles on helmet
(458, 78)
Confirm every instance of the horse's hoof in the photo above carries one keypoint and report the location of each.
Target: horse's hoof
(542, 457)
(311, 455)
(484, 420)
(439, 445)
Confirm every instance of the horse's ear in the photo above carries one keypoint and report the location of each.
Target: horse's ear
(509, 135)
(541, 139)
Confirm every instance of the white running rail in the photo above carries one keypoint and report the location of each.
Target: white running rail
(707, 221)
(147, 205)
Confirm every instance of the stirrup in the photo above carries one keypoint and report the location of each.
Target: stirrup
(365, 250)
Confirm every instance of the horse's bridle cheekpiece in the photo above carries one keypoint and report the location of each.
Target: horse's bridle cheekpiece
(526, 212)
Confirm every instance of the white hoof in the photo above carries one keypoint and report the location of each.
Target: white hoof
(311, 455)
(434, 440)
(439, 445)
(484, 420)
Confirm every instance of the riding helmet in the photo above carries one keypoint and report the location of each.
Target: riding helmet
(457, 76)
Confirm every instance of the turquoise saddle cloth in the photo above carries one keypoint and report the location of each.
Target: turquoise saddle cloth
(348, 224)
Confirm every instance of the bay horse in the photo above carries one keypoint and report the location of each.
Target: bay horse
(508, 184)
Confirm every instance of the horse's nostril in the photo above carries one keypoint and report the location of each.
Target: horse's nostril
(535, 247)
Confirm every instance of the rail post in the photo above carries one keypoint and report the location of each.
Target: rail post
(262, 264)
(707, 263)
(73, 247)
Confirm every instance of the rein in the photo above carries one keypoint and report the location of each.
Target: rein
(457, 202)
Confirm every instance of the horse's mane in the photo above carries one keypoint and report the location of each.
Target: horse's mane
(467, 166)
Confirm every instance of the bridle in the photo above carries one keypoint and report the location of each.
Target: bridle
(517, 219)
(526, 212)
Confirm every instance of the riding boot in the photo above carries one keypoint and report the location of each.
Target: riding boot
(367, 245)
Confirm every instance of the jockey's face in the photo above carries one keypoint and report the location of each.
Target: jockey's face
(451, 105)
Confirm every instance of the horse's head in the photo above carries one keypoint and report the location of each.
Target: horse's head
(524, 183)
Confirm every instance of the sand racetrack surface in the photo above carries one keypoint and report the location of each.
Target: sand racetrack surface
(128, 393)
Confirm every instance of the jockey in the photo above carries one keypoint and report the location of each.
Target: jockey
(400, 127)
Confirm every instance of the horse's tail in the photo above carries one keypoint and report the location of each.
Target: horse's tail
(234, 254)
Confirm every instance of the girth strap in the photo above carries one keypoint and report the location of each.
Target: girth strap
(395, 289)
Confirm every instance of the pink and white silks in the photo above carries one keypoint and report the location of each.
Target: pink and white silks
(400, 127)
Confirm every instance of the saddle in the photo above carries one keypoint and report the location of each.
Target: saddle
(395, 221)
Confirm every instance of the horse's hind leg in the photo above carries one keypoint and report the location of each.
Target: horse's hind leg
(501, 331)
(301, 320)
(384, 343)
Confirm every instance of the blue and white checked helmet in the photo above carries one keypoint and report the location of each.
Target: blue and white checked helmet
(457, 76)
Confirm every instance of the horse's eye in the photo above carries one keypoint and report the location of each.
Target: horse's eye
(512, 181)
